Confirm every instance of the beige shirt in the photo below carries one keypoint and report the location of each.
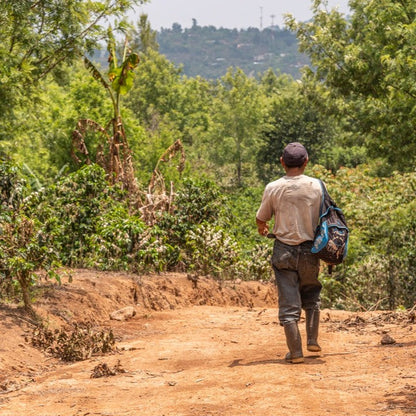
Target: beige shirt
(294, 201)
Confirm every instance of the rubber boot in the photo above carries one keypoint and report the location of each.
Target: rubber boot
(312, 329)
(294, 343)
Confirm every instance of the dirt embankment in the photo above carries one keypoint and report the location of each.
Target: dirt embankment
(196, 347)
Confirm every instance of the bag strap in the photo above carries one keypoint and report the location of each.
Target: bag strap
(324, 193)
(321, 209)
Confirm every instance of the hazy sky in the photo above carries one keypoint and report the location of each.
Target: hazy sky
(229, 14)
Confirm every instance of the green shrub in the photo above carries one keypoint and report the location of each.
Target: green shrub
(24, 249)
(210, 251)
(115, 240)
(255, 264)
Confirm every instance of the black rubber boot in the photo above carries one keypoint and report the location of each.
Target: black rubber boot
(294, 343)
(312, 329)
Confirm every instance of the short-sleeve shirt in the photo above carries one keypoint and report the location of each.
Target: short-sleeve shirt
(294, 202)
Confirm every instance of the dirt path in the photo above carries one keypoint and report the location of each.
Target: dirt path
(208, 360)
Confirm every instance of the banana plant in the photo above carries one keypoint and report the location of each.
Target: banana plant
(116, 158)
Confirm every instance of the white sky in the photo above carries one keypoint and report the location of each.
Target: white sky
(229, 14)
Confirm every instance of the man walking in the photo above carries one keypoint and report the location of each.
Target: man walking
(294, 201)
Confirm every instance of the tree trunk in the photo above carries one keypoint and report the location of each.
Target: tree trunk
(24, 285)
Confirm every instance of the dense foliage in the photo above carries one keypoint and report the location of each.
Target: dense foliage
(367, 64)
(37, 36)
(202, 150)
(380, 268)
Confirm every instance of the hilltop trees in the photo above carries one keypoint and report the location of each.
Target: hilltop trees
(209, 51)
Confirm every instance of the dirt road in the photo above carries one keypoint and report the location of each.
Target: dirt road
(205, 350)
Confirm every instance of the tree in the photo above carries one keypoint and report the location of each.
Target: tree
(36, 37)
(39, 142)
(193, 114)
(368, 65)
(171, 107)
(295, 115)
(237, 114)
(154, 93)
(144, 36)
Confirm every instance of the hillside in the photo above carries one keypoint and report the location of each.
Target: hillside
(209, 51)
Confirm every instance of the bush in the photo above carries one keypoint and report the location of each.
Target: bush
(256, 265)
(211, 252)
(24, 251)
(380, 268)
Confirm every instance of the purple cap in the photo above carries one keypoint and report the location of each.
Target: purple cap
(294, 154)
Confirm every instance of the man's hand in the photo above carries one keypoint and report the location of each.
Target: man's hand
(262, 227)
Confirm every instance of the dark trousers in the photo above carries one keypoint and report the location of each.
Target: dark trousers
(296, 270)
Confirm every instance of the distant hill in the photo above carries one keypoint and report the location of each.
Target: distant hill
(209, 52)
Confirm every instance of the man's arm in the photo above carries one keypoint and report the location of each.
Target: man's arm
(262, 227)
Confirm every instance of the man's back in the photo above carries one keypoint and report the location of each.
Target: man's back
(294, 203)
